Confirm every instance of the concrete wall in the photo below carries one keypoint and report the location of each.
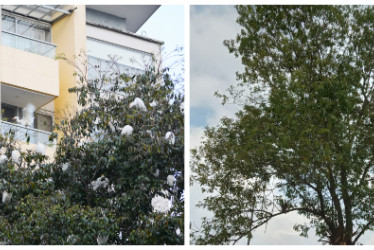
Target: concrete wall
(104, 19)
(29, 71)
(69, 34)
(130, 41)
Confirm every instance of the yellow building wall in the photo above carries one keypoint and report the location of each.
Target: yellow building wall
(29, 71)
(49, 151)
(69, 34)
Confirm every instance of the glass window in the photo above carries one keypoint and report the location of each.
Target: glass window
(26, 27)
(8, 23)
(27, 34)
(33, 30)
(97, 67)
(43, 122)
(8, 112)
(124, 56)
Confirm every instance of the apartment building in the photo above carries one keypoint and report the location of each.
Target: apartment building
(31, 37)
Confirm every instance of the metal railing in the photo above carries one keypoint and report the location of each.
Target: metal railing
(21, 133)
(28, 44)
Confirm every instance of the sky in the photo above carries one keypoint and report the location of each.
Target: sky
(167, 25)
(213, 68)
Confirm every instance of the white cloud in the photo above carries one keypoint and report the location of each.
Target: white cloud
(197, 213)
(195, 136)
(279, 231)
(209, 28)
(212, 67)
(202, 90)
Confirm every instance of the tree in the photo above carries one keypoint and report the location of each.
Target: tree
(119, 154)
(303, 140)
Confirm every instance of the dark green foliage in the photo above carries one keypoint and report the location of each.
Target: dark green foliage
(59, 203)
(303, 140)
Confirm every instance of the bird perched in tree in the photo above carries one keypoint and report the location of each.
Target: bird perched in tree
(3, 158)
(138, 103)
(40, 149)
(127, 130)
(6, 197)
(170, 137)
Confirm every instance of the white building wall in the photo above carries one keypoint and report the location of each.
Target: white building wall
(131, 40)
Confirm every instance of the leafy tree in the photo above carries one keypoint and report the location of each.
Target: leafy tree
(102, 184)
(303, 141)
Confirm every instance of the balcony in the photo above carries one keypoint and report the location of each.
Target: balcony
(98, 67)
(28, 44)
(29, 72)
(125, 56)
(21, 133)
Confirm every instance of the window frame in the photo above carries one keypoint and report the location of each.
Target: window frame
(18, 18)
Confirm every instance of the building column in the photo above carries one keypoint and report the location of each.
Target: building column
(69, 34)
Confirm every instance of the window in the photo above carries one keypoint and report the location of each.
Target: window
(43, 122)
(8, 23)
(126, 57)
(39, 131)
(26, 27)
(8, 112)
(27, 34)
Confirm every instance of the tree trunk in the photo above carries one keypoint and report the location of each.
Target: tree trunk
(340, 237)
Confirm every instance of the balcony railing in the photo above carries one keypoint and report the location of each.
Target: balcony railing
(28, 44)
(22, 132)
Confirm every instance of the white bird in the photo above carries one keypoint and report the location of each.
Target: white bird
(3, 158)
(112, 128)
(171, 180)
(100, 182)
(127, 130)
(72, 239)
(97, 121)
(170, 137)
(40, 149)
(28, 115)
(138, 103)
(149, 132)
(153, 104)
(160, 204)
(120, 96)
(6, 197)
(65, 167)
(20, 121)
(16, 155)
(102, 239)
(35, 169)
(156, 173)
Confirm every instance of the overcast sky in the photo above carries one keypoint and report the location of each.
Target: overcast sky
(213, 68)
(167, 25)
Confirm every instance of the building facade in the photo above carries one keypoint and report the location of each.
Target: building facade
(31, 38)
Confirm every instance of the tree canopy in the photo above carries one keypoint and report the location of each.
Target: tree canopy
(118, 165)
(304, 138)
